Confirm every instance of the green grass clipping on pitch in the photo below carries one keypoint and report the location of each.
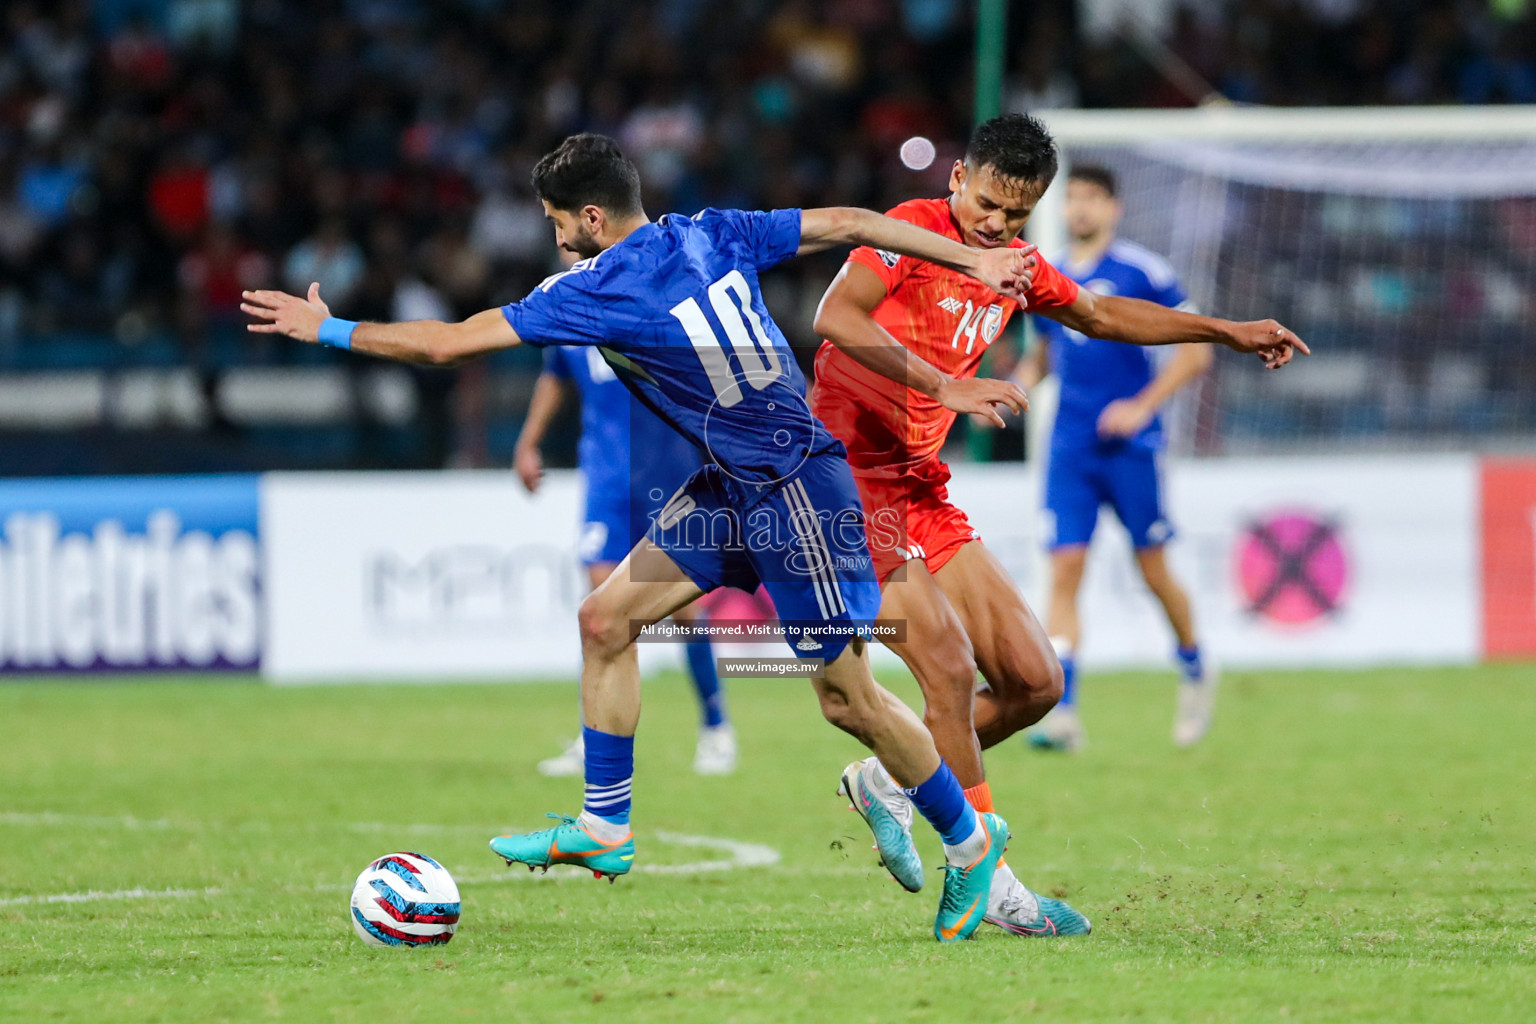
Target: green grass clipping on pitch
(1343, 847)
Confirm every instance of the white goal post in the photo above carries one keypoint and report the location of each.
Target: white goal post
(1402, 241)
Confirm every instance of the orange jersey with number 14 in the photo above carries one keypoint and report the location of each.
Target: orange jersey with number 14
(939, 314)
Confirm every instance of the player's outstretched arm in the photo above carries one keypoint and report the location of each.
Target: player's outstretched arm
(431, 342)
(1004, 270)
(527, 459)
(1125, 417)
(1138, 322)
(845, 319)
(1034, 367)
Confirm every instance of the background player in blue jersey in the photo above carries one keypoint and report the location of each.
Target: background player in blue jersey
(676, 309)
(1105, 447)
(631, 463)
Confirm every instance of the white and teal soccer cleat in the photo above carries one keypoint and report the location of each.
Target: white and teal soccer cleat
(968, 887)
(1018, 910)
(1197, 706)
(567, 843)
(888, 813)
(716, 752)
(569, 763)
(1060, 730)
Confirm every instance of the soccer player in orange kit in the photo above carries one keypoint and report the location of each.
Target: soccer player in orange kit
(962, 610)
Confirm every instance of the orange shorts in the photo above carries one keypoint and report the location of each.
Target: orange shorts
(909, 516)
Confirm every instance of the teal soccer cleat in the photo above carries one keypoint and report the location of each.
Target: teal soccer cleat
(1052, 918)
(888, 813)
(567, 843)
(963, 906)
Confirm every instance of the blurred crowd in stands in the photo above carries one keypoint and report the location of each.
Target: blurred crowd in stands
(157, 156)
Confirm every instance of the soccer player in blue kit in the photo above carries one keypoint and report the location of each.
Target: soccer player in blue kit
(675, 308)
(1105, 448)
(630, 463)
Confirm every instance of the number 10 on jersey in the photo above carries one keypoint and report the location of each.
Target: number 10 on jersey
(731, 299)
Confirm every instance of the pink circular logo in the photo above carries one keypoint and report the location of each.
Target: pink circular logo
(1292, 568)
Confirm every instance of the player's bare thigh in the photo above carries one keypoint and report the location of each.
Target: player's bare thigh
(934, 645)
(598, 573)
(1011, 647)
(644, 588)
(937, 651)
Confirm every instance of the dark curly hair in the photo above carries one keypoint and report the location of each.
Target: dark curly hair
(1017, 146)
(588, 170)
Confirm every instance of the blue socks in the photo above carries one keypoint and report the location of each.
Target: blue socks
(706, 682)
(610, 759)
(1189, 662)
(942, 803)
(1187, 657)
(610, 770)
(1068, 682)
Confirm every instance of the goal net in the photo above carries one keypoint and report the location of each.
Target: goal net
(1400, 243)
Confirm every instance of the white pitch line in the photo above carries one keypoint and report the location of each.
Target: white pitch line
(52, 819)
(741, 855)
(92, 895)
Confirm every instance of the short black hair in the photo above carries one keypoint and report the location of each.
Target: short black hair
(588, 170)
(1095, 174)
(1017, 146)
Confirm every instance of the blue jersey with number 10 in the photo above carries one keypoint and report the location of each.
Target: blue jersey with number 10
(676, 310)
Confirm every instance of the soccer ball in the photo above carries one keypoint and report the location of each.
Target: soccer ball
(405, 899)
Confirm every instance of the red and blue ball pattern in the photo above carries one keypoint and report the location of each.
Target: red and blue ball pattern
(405, 899)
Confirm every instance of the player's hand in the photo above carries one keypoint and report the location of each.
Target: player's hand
(983, 397)
(286, 314)
(529, 465)
(1272, 342)
(1124, 417)
(1007, 271)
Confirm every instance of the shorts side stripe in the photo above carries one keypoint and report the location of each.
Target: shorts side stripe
(829, 574)
(821, 559)
(798, 511)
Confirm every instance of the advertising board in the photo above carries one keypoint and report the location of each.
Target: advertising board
(130, 574)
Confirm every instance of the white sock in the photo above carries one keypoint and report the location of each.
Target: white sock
(966, 853)
(1005, 885)
(603, 830)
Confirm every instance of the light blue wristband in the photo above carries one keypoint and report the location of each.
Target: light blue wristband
(336, 332)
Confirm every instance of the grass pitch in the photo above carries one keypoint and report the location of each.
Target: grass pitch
(1343, 847)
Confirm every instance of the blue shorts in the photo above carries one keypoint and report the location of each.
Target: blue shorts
(1125, 477)
(802, 538)
(616, 516)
